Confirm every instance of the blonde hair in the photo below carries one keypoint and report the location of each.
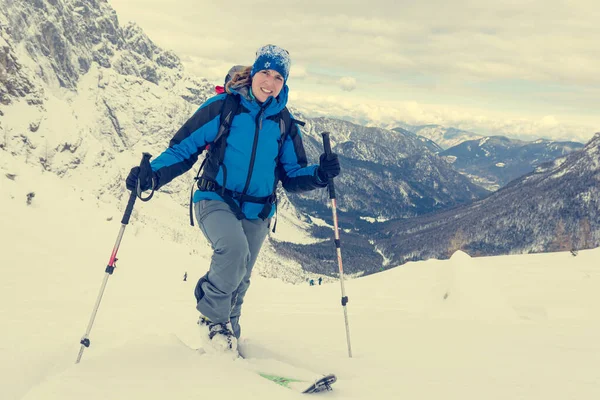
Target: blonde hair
(240, 78)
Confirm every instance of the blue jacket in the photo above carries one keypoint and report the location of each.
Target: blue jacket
(252, 156)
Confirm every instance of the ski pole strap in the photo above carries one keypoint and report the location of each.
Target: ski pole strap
(327, 149)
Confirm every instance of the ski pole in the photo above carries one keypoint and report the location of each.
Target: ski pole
(145, 169)
(336, 234)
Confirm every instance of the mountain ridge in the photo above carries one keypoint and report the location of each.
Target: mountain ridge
(82, 97)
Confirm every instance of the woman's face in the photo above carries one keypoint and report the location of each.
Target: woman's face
(265, 83)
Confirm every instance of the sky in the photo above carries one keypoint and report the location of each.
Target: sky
(509, 327)
(520, 68)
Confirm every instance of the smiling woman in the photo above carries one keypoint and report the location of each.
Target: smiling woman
(254, 143)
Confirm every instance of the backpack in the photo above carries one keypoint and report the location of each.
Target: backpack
(205, 179)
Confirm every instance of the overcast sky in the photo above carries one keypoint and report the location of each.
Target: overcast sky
(516, 67)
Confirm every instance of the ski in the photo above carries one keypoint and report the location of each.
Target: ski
(295, 379)
(319, 385)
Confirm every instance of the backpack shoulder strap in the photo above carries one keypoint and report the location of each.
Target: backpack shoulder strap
(286, 122)
(216, 149)
(228, 111)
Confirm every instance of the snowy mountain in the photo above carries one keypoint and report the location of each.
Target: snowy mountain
(553, 208)
(82, 97)
(101, 94)
(440, 137)
(387, 174)
(494, 161)
(443, 136)
(430, 144)
(79, 83)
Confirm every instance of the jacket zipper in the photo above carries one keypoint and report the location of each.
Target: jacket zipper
(255, 145)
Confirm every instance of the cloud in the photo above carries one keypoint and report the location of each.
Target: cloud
(213, 70)
(347, 83)
(485, 122)
(535, 58)
(538, 40)
(298, 72)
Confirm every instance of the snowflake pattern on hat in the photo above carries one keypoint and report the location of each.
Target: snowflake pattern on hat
(272, 57)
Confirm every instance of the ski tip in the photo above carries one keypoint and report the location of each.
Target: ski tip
(322, 384)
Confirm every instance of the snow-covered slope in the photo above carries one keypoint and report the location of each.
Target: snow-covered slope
(508, 327)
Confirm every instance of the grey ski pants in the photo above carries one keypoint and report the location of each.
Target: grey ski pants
(236, 244)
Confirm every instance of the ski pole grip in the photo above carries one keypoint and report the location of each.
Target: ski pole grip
(327, 150)
(145, 172)
(144, 166)
(129, 208)
(326, 143)
(145, 163)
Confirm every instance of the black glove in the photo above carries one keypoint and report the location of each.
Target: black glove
(329, 167)
(132, 179)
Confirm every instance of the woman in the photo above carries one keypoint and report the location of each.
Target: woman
(231, 201)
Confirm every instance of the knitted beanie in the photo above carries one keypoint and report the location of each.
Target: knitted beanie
(272, 57)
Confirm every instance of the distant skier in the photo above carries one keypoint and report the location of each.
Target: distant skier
(320, 280)
(235, 199)
(185, 277)
(311, 282)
